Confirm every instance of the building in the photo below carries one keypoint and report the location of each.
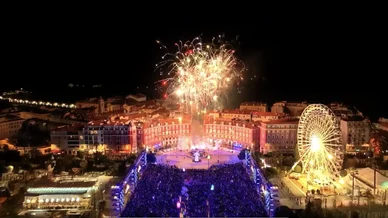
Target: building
(9, 126)
(106, 135)
(118, 132)
(165, 132)
(382, 124)
(293, 109)
(355, 131)
(67, 138)
(266, 116)
(236, 134)
(278, 136)
(279, 107)
(65, 194)
(246, 115)
(254, 106)
(115, 105)
(215, 114)
(343, 111)
(97, 103)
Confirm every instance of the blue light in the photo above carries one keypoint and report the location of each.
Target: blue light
(212, 188)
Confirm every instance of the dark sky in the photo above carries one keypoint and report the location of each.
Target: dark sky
(316, 56)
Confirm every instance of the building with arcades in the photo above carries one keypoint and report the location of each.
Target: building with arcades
(164, 133)
(278, 136)
(106, 135)
(236, 134)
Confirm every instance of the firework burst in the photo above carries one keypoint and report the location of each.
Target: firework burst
(198, 73)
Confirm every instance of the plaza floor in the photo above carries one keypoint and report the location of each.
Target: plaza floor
(183, 159)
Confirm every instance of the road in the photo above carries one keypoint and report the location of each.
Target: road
(290, 195)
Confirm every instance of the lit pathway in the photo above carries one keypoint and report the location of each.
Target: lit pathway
(289, 193)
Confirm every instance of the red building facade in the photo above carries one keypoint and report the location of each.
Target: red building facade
(229, 133)
(165, 132)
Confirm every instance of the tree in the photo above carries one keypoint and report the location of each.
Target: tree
(58, 168)
(284, 211)
(256, 156)
(269, 172)
(131, 159)
(35, 153)
(298, 169)
(296, 153)
(26, 167)
(121, 169)
(241, 155)
(288, 161)
(80, 155)
(99, 158)
(10, 156)
(5, 148)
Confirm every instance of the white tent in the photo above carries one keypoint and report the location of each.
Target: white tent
(366, 175)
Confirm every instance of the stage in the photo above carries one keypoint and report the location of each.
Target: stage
(183, 159)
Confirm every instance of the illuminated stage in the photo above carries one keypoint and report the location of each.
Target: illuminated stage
(183, 159)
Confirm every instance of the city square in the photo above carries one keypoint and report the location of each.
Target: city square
(185, 160)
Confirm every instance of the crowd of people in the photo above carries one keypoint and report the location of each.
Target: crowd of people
(222, 191)
(156, 193)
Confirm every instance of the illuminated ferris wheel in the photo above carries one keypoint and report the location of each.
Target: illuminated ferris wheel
(319, 144)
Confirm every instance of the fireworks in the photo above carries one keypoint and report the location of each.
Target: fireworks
(198, 74)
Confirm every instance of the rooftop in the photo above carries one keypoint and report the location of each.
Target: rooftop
(117, 102)
(256, 113)
(131, 116)
(109, 122)
(70, 128)
(113, 113)
(383, 124)
(9, 118)
(253, 104)
(303, 103)
(160, 111)
(232, 123)
(48, 183)
(146, 103)
(282, 121)
(353, 118)
(168, 121)
(47, 186)
(118, 119)
(83, 110)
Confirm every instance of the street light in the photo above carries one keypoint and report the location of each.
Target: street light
(208, 161)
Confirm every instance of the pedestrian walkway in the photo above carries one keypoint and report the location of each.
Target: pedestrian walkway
(287, 197)
(294, 189)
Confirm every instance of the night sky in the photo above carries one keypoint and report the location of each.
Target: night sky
(318, 57)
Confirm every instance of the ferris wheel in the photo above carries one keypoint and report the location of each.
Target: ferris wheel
(319, 144)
